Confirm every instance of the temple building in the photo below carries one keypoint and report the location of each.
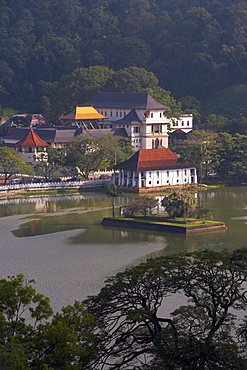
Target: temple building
(155, 168)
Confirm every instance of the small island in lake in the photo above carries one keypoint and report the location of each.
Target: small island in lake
(165, 224)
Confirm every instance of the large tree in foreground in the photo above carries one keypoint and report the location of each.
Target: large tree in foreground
(11, 163)
(31, 337)
(139, 330)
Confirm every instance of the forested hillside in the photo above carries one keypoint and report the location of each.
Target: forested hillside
(194, 47)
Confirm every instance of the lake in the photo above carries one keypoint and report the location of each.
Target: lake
(58, 239)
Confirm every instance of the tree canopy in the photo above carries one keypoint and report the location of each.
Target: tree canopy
(140, 331)
(182, 311)
(11, 164)
(193, 48)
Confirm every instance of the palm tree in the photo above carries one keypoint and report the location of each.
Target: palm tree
(114, 192)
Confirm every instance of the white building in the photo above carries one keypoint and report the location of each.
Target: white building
(155, 168)
(140, 116)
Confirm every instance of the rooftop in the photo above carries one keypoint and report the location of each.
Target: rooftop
(125, 100)
(153, 159)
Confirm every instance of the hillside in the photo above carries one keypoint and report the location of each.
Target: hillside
(229, 102)
(193, 47)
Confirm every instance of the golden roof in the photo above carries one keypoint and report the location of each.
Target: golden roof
(87, 113)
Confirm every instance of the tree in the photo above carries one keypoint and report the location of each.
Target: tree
(143, 205)
(31, 337)
(83, 152)
(222, 160)
(77, 87)
(112, 150)
(21, 310)
(179, 204)
(138, 331)
(114, 191)
(52, 166)
(66, 342)
(132, 79)
(6, 74)
(200, 150)
(11, 164)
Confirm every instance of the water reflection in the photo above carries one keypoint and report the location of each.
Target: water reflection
(59, 241)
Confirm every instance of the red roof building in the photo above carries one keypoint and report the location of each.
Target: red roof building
(155, 168)
(31, 140)
(32, 147)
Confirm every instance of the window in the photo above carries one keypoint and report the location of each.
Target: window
(120, 114)
(192, 172)
(158, 174)
(111, 113)
(150, 182)
(160, 115)
(177, 173)
(158, 182)
(185, 172)
(188, 123)
(150, 174)
(136, 130)
(182, 123)
(167, 181)
(116, 114)
(167, 173)
(105, 113)
(152, 115)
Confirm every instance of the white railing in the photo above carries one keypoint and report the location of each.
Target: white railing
(55, 185)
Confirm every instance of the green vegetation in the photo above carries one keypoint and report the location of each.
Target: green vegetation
(113, 191)
(11, 164)
(133, 308)
(179, 204)
(143, 205)
(208, 331)
(60, 54)
(33, 337)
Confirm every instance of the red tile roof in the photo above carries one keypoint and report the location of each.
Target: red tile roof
(153, 159)
(31, 139)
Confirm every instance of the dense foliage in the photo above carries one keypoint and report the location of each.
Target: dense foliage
(135, 322)
(193, 47)
(142, 327)
(179, 204)
(143, 205)
(222, 153)
(11, 163)
(32, 337)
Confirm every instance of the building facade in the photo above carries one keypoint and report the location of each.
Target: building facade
(155, 168)
(141, 116)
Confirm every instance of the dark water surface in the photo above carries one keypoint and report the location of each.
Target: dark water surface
(58, 240)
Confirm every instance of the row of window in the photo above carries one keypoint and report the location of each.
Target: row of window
(151, 115)
(168, 182)
(118, 114)
(182, 123)
(123, 114)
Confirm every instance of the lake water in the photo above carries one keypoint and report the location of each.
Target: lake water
(59, 241)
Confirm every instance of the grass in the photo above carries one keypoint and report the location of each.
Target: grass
(166, 221)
